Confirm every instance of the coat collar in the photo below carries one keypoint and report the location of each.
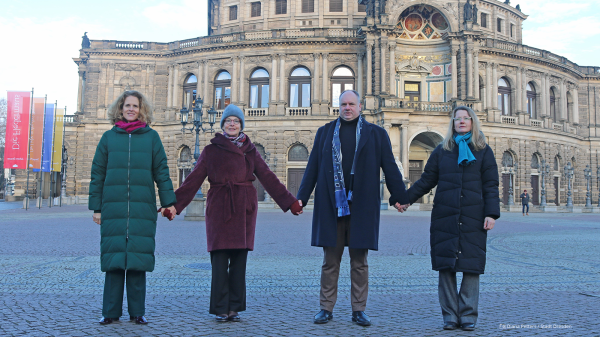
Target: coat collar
(140, 130)
(225, 144)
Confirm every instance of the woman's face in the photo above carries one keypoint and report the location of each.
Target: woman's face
(131, 108)
(232, 126)
(462, 122)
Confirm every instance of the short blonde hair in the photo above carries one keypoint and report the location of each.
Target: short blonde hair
(115, 111)
(477, 137)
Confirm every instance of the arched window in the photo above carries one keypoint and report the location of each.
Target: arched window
(189, 91)
(504, 97)
(298, 152)
(259, 89)
(507, 159)
(300, 88)
(184, 163)
(342, 79)
(531, 101)
(553, 111)
(556, 163)
(222, 90)
(535, 161)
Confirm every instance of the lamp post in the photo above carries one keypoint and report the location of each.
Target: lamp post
(197, 126)
(267, 159)
(587, 173)
(569, 175)
(511, 200)
(545, 172)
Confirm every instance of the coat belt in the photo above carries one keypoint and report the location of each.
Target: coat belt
(229, 186)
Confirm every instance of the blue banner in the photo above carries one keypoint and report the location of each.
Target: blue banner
(48, 136)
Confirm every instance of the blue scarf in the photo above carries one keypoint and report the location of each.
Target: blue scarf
(341, 202)
(465, 156)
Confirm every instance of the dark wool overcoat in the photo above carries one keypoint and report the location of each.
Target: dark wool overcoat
(231, 202)
(465, 196)
(374, 153)
(124, 170)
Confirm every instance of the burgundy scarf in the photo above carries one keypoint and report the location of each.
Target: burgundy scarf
(238, 140)
(130, 126)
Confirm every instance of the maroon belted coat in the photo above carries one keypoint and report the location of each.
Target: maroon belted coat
(231, 203)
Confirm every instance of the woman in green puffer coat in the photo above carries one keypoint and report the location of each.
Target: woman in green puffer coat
(129, 159)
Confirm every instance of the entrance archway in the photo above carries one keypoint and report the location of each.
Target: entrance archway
(419, 151)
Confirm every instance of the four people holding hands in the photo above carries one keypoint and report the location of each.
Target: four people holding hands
(343, 170)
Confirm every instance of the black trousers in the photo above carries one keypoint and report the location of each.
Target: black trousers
(114, 282)
(228, 287)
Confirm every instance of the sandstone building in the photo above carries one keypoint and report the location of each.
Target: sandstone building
(286, 61)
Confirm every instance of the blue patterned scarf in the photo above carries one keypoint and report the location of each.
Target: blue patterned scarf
(341, 202)
(465, 156)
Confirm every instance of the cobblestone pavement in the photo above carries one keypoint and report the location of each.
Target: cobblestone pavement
(542, 278)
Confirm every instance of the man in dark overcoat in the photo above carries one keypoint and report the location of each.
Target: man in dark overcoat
(345, 162)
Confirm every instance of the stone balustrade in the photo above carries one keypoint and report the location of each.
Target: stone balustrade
(334, 111)
(305, 111)
(256, 112)
(509, 120)
(536, 123)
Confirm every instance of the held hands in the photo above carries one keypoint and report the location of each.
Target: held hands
(488, 223)
(401, 208)
(168, 212)
(96, 218)
(296, 207)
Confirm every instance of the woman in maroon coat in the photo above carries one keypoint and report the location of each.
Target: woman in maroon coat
(231, 163)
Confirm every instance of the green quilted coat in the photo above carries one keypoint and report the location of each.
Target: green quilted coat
(124, 170)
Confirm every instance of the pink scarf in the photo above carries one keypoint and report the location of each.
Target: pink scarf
(237, 140)
(130, 126)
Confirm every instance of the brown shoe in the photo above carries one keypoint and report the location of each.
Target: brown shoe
(527, 214)
(138, 319)
(106, 320)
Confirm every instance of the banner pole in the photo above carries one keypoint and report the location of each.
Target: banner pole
(41, 181)
(63, 167)
(51, 194)
(28, 151)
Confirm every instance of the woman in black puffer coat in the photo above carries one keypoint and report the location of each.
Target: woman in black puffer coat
(465, 207)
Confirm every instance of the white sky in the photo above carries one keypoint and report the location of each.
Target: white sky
(39, 40)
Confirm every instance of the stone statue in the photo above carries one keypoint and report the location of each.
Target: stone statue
(85, 42)
(518, 8)
(475, 10)
(468, 11)
(507, 2)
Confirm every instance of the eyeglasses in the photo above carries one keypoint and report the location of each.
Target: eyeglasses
(458, 119)
(232, 121)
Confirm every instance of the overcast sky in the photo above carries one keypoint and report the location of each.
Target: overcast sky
(39, 40)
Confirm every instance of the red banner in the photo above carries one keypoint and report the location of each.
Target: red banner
(17, 130)
(37, 133)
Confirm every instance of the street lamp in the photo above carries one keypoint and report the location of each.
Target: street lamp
(545, 172)
(511, 201)
(569, 175)
(197, 125)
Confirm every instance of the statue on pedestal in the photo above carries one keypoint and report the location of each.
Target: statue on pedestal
(85, 42)
(468, 11)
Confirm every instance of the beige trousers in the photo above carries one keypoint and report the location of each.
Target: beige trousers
(330, 272)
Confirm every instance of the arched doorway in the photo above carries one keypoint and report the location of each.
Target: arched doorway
(184, 164)
(298, 157)
(419, 151)
(508, 163)
(535, 178)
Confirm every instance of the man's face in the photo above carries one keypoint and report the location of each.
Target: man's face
(349, 106)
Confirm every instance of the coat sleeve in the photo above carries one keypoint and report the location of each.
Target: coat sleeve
(489, 184)
(160, 172)
(393, 177)
(98, 175)
(311, 173)
(271, 183)
(429, 178)
(186, 192)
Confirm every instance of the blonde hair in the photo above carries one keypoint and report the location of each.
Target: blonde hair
(477, 137)
(115, 111)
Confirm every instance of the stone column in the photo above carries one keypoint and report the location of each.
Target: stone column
(241, 93)
(199, 83)
(382, 47)
(476, 75)
(273, 86)
(469, 71)
(575, 106)
(359, 82)
(107, 82)
(424, 89)
(454, 73)
(404, 148)
(206, 98)
(392, 47)
(563, 100)
(80, 92)
(548, 87)
(316, 94)
(281, 77)
(488, 86)
(524, 91)
(170, 87)
(519, 89)
(369, 67)
(494, 97)
(325, 95)
(401, 86)
(176, 86)
(543, 95)
(234, 78)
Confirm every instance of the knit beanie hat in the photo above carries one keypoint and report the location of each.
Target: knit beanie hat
(232, 110)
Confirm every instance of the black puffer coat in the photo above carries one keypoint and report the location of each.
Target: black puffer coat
(465, 195)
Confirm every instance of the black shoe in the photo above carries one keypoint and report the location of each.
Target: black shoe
(106, 320)
(361, 318)
(138, 319)
(221, 318)
(468, 326)
(323, 316)
(234, 317)
(450, 326)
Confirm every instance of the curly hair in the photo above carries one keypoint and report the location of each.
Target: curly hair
(477, 137)
(115, 111)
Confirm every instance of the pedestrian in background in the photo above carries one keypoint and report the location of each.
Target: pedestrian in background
(129, 159)
(231, 163)
(345, 164)
(466, 206)
(525, 202)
